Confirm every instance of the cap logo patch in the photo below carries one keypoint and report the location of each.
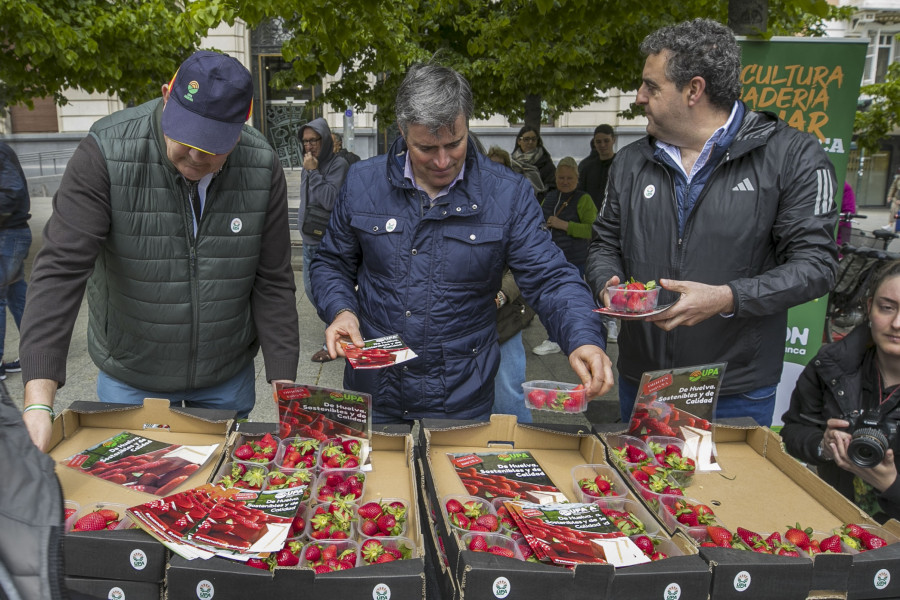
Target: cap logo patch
(193, 88)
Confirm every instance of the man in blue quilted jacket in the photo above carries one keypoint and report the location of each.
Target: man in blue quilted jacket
(417, 243)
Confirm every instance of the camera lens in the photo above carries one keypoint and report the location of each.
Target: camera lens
(867, 447)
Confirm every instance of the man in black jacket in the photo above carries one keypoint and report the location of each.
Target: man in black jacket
(731, 211)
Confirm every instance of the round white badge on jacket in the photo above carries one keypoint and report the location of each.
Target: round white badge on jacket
(649, 191)
(391, 225)
(236, 225)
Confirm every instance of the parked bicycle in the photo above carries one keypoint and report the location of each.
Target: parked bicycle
(846, 303)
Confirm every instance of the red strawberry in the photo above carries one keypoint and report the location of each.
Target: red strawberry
(478, 543)
(386, 557)
(604, 485)
(537, 398)
(501, 551)
(372, 510)
(831, 544)
(257, 563)
(489, 522)
(286, 558)
(93, 521)
(368, 527)
(872, 541)
(798, 536)
(387, 523)
(644, 543)
(635, 454)
(719, 536)
(244, 452)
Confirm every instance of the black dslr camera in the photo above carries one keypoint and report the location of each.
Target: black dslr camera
(872, 435)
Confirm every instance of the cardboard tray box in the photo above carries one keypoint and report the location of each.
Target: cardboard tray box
(392, 476)
(112, 588)
(130, 555)
(764, 489)
(557, 449)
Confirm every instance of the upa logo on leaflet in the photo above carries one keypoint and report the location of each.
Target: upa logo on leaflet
(701, 374)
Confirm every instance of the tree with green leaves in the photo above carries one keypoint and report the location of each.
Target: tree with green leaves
(127, 48)
(519, 55)
(882, 115)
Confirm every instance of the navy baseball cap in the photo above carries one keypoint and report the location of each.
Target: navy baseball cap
(210, 99)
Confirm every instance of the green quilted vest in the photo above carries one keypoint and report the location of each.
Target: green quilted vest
(169, 312)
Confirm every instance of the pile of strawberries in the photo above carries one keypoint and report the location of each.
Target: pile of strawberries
(380, 519)
(559, 400)
(300, 452)
(279, 479)
(331, 521)
(375, 551)
(104, 518)
(655, 480)
(648, 547)
(796, 538)
(859, 538)
(471, 515)
(627, 522)
(262, 451)
(328, 557)
(339, 484)
(479, 543)
(634, 296)
(244, 476)
(690, 514)
(599, 486)
(670, 456)
(631, 454)
(340, 453)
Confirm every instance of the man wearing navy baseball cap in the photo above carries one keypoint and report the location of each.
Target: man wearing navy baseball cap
(173, 216)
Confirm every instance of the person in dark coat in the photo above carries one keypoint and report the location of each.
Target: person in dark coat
(593, 171)
(530, 150)
(859, 373)
(339, 149)
(416, 246)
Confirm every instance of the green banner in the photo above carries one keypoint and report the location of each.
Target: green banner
(813, 84)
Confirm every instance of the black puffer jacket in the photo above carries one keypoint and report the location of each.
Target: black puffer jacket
(832, 385)
(31, 514)
(763, 225)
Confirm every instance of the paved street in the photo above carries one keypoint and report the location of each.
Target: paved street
(82, 374)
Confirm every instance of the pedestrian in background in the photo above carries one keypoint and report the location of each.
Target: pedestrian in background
(15, 241)
(893, 202)
(530, 150)
(342, 152)
(320, 182)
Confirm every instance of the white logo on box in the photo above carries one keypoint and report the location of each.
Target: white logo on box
(672, 592)
(742, 581)
(138, 559)
(882, 579)
(381, 592)
(501, 587)
(205, 590)
(116, 593)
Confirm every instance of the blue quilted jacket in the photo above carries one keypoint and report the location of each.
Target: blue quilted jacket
(431, 273)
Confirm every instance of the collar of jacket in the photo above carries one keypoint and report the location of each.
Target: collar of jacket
(465, 197)
(755, 130)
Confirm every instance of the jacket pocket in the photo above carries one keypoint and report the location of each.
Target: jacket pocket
(380, 239)
(471, 253)
(470, 363)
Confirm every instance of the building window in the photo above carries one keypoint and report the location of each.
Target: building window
(882, 51)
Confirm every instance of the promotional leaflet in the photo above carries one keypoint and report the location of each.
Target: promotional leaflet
(319, 413)
(141, 464)
(378, 353)
(211, 520)
(505, 474)
(573, 533)
(680, 403)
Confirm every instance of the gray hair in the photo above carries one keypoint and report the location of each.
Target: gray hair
(704, 48)
(433, 96)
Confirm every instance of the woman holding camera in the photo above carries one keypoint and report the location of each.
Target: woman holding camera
(846, 405)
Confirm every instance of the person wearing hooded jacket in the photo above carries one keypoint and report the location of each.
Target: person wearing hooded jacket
(730, 210)
(320, 181)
